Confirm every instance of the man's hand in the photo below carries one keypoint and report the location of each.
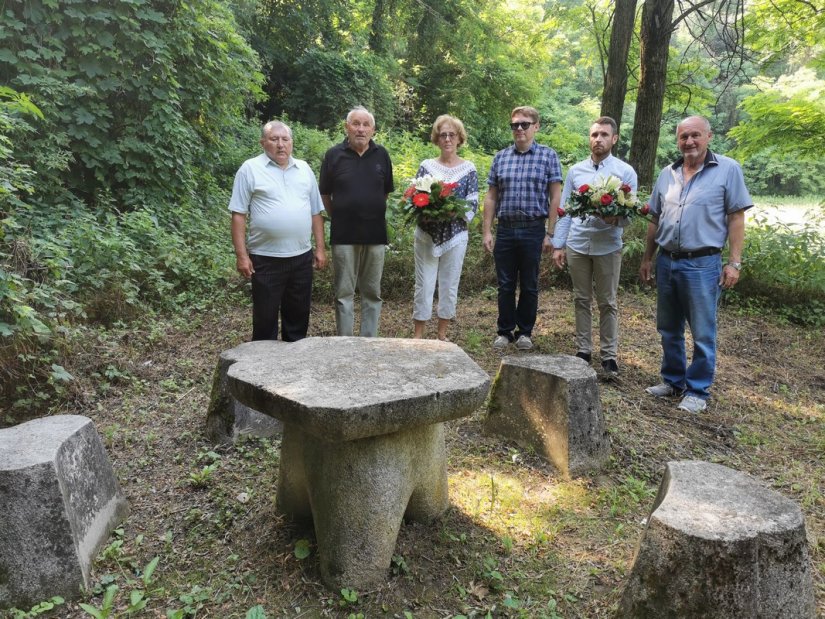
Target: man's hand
(488, 242)
(244, 266)
(646, 271)
(559, 258)
(546, 246)
(319, 258)
(729, 277)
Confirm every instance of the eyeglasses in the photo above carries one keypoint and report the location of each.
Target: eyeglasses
(523, 125)
(444, 136)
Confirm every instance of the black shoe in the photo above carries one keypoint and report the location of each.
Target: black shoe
(610, 367)
(584, 355)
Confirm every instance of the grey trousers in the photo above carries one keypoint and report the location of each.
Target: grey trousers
(357, 267)
(599, 274)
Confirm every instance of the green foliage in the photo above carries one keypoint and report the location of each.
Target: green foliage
(340, 80)
(302, 549)
(768, 172)
(348, 596)
(788, 125)
(38, 609)
(132, 93)
(256, 612)
(785, 265)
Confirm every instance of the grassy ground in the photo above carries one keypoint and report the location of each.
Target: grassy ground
(518, 541)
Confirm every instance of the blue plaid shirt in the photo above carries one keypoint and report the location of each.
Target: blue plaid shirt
(523, 181)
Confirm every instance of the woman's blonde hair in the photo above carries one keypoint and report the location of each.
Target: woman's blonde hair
(444, 119)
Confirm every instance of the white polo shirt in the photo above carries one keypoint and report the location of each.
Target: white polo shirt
(280, 203)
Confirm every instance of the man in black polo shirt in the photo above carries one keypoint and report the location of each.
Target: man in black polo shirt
(356, 178)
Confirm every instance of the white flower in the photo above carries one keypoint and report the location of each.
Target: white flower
(425, 182)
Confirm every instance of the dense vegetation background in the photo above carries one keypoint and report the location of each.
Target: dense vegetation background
(122, 123)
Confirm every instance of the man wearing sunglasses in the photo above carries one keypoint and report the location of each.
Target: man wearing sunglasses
(524, 190)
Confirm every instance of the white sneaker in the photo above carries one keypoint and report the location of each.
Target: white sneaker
(663, 391)
(692, 404)
(524, 342)
(501, 342)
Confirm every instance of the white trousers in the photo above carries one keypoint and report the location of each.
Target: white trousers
(446, 270)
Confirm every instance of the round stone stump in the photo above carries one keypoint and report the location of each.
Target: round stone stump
(720, 544)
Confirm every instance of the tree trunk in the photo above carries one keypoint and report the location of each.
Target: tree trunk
(657, 18)
(615, 80)
(378, 38)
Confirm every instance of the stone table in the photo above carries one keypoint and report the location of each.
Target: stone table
(363, 440)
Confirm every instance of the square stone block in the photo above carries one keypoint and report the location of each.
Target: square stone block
(227, 419)
(550, 403)
(59, 501)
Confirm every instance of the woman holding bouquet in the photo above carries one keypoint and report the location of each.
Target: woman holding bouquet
(440, 245)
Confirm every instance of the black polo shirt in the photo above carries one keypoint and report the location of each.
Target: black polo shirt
(357, 186)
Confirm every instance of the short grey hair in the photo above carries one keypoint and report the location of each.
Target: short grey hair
(272, 124)
(704, 120)
(360, 108)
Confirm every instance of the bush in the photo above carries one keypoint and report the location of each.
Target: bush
(785, 266)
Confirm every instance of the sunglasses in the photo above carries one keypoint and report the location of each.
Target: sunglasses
(523, 125)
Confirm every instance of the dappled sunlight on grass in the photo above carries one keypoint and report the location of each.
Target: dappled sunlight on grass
(519, 506)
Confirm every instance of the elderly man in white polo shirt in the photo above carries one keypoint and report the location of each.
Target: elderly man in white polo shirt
(279, 196)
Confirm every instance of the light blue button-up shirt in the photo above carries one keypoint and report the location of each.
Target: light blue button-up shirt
(592, 236)
(694, 215)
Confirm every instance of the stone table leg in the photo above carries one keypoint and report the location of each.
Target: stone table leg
(359, 492)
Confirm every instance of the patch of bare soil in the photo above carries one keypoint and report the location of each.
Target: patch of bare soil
(518, 541)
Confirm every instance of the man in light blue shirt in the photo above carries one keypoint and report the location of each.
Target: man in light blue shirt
(698, 204)
(279, 195)
(593, 248)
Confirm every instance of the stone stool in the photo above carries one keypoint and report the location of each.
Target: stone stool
(59, 501)
(363, 443)
(550, 403)
(226, 418)
(720, 544)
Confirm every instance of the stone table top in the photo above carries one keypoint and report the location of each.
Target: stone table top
(346, 388)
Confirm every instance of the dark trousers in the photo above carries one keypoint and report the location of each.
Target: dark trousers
(281, 285)
(517, 254)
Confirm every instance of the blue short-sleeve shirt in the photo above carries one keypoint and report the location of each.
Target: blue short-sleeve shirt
(693, 215)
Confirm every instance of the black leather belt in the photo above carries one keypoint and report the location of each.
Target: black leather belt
(521, 223)
(696, 253)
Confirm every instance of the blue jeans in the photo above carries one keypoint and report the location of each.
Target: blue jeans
(517, 254)
(688, 292)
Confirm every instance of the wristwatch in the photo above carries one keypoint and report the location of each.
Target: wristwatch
(735, 265)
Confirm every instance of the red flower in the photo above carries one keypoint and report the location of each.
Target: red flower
(410, 191)
(645, 209)
(584, 188)
(421, 199)
(607, 199)
(447, 190)
(625, 188)
(560, 211)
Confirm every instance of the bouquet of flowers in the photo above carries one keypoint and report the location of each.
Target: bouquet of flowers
(606, 197)
(429, 199)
